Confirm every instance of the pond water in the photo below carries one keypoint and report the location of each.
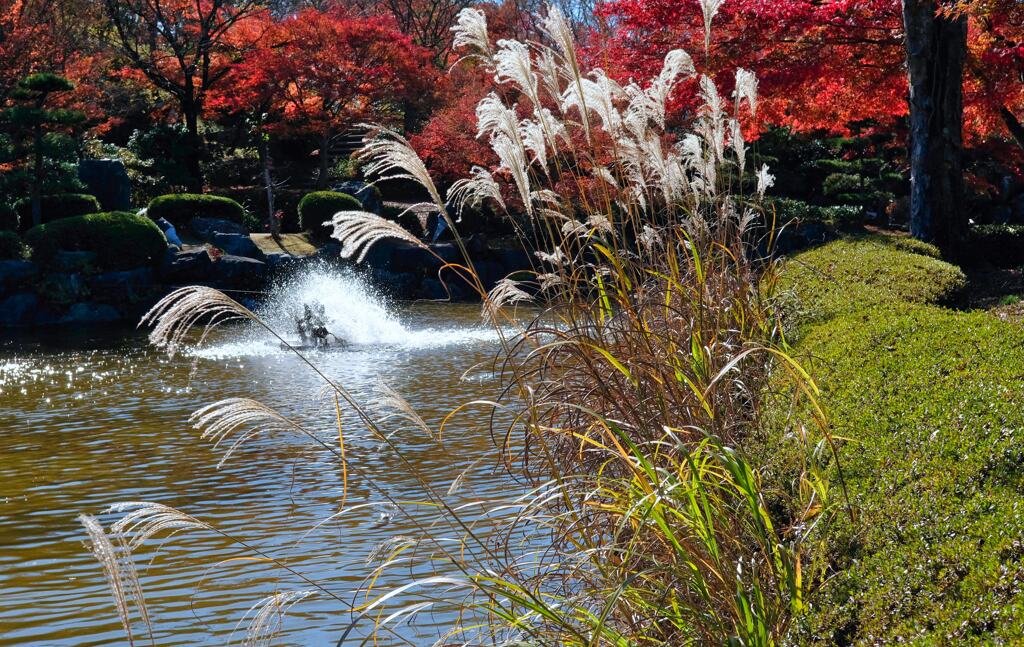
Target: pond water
(89, 419)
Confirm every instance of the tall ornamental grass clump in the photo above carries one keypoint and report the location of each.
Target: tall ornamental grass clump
(633, 391)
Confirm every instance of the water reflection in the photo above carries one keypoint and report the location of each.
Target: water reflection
(89, 420)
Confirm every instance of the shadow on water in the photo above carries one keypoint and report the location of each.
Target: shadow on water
(91, 417)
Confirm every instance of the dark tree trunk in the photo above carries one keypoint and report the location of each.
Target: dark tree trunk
(1013, 125)
(37, 181)
(936, 49)
(324, 161)
(268, 184)
(194, 154)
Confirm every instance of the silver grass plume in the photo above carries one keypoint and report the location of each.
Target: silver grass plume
(119, 571)
(178, 312)
(677, 66)
(711, 125)
(357, 231)
(396, 406)
(599, 222)
(512, 158)
(504, 293)
(596, 94)
(550, 74)
(513, 64)
(532, 135)
(145, 519)
(470, 30)
(746, 90)
(572, 228)
(709, 9)
(218, 421)
(765, 180)
(738, 144)
(389, 156)
(267, 617)
(649, 238)
(556, 27)
(473, 190)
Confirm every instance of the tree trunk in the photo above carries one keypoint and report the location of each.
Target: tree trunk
(194, 154)
(324, 163)
(273, 226)
(37, 181)
(936, 49)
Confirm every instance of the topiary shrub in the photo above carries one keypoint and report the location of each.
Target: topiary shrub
(57, 206)
(846, 217)
(11, 247)
(319, 207)
(180, 208)
(121, 240)
(8, 217)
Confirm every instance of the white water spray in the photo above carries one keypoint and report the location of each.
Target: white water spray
(353, 312)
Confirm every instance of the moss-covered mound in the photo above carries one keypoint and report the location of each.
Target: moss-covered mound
(57, 206)
(851, 274)
(119, 239)
(11, 247)
(929, 402)
(317, 208)
(180, 208)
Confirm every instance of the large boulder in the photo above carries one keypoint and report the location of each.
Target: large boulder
(128, 286)
(15, 273)
(18, 309)
(65, 261)
(187, 267)
(368, 195)
(237, 245)
(237, 272)
(108, 181)
(62, 288)
(205, 228)
(91, 312)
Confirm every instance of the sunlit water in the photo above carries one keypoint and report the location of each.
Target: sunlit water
(90, 419)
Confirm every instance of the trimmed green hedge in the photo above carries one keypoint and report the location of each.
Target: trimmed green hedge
(121, 240)
(851, 274)
(10, 246)
(181, 208)
(319, 207)
(845, 217)
(928, 402)
(55, 207)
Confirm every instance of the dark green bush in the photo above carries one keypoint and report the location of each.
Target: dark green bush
(11, 246)
(180, 208)
(846, 217)
(319, 207)
(55, 207)
(8, 217)
(999, 245)
(121, 240)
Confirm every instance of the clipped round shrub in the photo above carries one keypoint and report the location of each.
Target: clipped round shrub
(8, 217)
(319, 207)
(57, 206)
(10, 246)
(120, 240)
(846, 217)
(180, 208)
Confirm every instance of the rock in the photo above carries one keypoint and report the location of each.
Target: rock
(237, 245)
(367, 196)
(72, 261)
(62, 288)
(18, 309)
(330, 252)
(91, 313)
(170, 232)
(15, 273)
(128, 286)
(238, 272)
(187, 267)
(205, 228)
(400, 285)
(108, 181)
